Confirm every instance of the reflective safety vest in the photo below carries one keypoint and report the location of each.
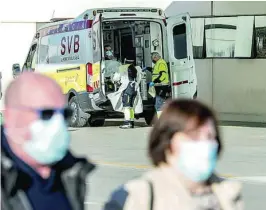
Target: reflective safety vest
(160, 73)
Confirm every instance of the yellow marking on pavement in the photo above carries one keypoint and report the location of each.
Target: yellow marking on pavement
(125, 165)
(137, 166)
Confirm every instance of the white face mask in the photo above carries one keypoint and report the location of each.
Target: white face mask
(49, 141)
(197, 159)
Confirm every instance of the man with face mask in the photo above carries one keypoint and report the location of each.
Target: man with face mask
(38, 171)
(160, 80)
(108, 52)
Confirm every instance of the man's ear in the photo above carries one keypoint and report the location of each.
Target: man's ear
(5, 113)
(8, 116)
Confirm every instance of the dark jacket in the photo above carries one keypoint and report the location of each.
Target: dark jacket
(73, 172)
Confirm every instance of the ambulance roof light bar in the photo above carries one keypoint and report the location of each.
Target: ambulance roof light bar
(129, 10)
(59, 19)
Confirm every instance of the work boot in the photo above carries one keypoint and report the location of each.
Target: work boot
(132, 124)
(127, 125)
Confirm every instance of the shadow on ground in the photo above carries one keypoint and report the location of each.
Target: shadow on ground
(242, 124)
(115, 123)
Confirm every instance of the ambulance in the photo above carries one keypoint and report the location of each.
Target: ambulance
(71, 51)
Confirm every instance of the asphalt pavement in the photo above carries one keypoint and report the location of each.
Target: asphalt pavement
(121, 155)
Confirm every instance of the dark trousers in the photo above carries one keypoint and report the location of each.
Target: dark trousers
(159, 102)
(129, 95)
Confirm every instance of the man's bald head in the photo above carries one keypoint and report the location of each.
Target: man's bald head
(32, 89)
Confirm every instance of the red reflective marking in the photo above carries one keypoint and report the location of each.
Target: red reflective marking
(89, 88)
(89, 23)
(180, 83)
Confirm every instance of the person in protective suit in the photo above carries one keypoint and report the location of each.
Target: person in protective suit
(128, 97)
(160, 80)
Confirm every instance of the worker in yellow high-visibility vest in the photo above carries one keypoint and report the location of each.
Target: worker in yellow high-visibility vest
(160, 80)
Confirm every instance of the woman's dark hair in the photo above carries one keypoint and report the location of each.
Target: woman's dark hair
(176, 116)
(132, 71)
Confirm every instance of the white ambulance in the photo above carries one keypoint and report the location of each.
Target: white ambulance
(71, 51)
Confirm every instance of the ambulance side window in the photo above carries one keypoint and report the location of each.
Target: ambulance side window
(180, 41)
(31, 59)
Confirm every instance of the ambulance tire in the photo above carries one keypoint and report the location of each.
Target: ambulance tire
(80, 117)
(96, 122)
(149, 117)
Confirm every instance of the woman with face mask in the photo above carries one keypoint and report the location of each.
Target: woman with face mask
(184, 147)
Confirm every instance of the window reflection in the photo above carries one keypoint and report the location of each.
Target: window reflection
(220, 35)
(197, 27)
(229, 37)
(260, 31)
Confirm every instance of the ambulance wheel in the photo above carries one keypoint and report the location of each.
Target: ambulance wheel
(149, 116)
(96, 122)
(79, 118)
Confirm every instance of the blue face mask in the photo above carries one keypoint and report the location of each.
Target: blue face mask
(109, 53)
(49, 141)
(197, 159)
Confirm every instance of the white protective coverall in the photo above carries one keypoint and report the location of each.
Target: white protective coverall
(116, 97)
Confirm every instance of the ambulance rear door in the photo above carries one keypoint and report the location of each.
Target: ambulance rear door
(181, 61)
(97, 79)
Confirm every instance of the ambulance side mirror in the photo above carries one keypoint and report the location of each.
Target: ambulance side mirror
(16, 69)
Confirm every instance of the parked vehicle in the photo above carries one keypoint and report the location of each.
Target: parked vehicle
(71, 51)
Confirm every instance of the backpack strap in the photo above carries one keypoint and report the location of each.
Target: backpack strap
(151, 194)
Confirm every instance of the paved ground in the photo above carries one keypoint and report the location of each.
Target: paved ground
(121, 155)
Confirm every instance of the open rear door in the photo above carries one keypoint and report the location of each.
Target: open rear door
(182, 65)
(98, 83)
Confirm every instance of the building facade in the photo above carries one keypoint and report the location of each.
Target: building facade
(229, 41)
